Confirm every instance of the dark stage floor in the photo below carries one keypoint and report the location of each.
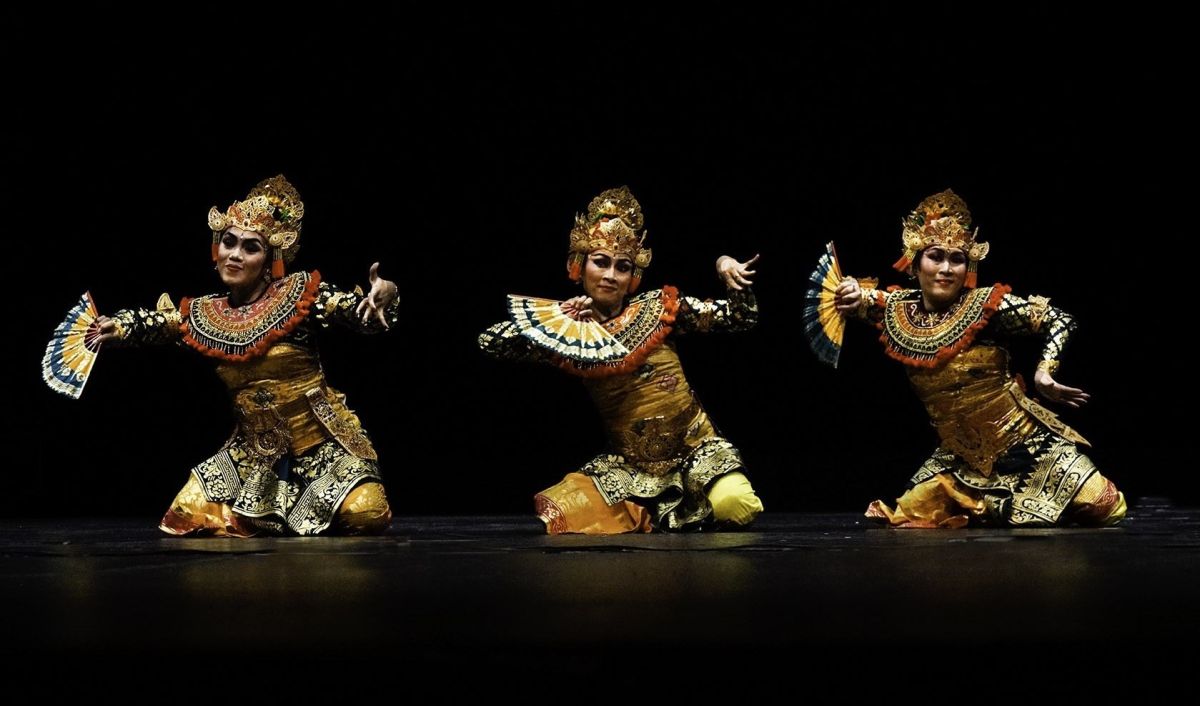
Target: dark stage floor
(496, 589)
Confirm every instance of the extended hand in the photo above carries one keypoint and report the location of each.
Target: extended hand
(383, 292)
(735, 275)
(1055, 392)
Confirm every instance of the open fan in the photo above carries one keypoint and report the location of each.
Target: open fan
(543, 322)
(823, 325)
(72, 349)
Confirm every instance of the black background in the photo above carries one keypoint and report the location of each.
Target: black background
(456, 149)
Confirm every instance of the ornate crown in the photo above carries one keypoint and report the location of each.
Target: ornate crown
(613, 222)
(943, 220)
(273, 209)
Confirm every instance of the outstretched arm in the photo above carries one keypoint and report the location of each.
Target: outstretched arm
(141, 327)
(372, 312)
(503, 341)
(737, 312)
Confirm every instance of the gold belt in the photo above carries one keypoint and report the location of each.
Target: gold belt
(266, 425)
(265, 429)
(655, 444)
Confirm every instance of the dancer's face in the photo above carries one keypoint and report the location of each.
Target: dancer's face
(606, 277)
(941, 272)
(241, 258)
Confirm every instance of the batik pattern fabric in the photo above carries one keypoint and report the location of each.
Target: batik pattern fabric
(291, 495)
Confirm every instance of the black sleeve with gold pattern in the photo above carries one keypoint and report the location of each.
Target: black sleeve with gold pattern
(737, 312)
(149, 327)
(1035, 317)
(337, 306)
(503, 341)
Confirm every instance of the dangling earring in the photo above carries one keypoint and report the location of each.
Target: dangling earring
(277, 263)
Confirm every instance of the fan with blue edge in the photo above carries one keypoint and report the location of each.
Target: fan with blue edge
(73, 348)
(824, 325)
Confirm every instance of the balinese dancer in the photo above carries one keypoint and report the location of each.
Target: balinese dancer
(667, 467)
(298, 461)
(1004, 459)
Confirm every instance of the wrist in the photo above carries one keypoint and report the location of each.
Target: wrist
(1047, 366)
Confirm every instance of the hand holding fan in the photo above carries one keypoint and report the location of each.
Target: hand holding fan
(72, 349)
(824, 325)
(544, 322)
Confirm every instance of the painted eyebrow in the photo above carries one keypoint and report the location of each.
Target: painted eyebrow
(244, 238)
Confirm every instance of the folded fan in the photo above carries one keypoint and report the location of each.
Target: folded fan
(823, 324)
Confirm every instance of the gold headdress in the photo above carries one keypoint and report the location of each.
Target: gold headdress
(943, 220)
(272, 209)
(613, 222)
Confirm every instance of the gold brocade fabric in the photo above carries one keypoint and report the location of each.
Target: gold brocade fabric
(945, 501)
(940, 501)
(1004, 459)
(298, 451)
(665, 449)
(978, 409)
(365, 510)
(651, 416)
(285, 407)
(294, 494)
(575, 506)
(192, 513)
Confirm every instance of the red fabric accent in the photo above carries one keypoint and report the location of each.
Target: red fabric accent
(550, 513)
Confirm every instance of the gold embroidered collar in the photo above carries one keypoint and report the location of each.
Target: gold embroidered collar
(927, 340)
(215, 328)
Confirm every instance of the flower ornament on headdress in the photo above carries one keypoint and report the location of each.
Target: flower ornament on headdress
(613, 222)
(272, 209)
(942, 220)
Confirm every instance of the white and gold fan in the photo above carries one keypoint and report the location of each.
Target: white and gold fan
(544, 322)
(72, 349)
